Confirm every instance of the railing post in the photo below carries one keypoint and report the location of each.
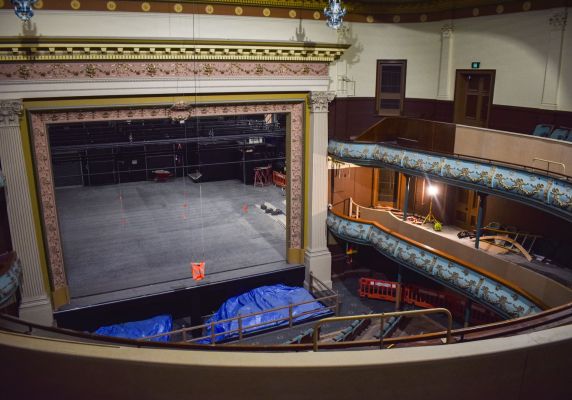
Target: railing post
(382, 323)
(240, 328)
(184, 334)
(212, 333)
(290, 320)
(406, 203)
(480, 217)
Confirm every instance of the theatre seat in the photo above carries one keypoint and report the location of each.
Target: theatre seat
(560, 134)
(542, 130)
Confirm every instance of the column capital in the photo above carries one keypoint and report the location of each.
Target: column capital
(558, 21)
(10, 111)
(447, 30)
(319, 101)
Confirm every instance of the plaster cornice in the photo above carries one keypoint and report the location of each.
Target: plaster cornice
(103, 49)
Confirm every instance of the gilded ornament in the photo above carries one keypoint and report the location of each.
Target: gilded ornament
(39, 4)
(423, 18)
(526, 6)
(1, 3)
(266, 12)
(500, 9)
(209, 9)
(75, 4)
(238, 10)
(111, 6)
(396, 18)
(145, 6)
(316, 15)
(292, 14)
(24, 71)
(178, 8)
(369, 19)
(90, 70)
(476, 12)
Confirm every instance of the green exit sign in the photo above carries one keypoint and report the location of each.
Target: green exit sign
(476, 65)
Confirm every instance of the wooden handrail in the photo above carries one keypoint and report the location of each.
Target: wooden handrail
(447, 256)
(481, 332)
(382, 316)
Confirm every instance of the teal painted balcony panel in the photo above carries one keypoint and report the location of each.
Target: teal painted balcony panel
(10, 282)
(475, 285)
(542, 191)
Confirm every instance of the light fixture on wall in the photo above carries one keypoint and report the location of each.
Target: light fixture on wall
(23, 9)
(335, 14)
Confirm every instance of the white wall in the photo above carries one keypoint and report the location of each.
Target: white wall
(512, 44)
(515, 45)
(565, 92)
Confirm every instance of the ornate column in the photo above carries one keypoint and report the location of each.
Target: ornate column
(318, 259)
(36, 305)
(553, 60)
(444, 91)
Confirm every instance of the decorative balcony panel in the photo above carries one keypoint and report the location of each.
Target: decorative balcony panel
(542, 191)
(10, 281)
(470, 282)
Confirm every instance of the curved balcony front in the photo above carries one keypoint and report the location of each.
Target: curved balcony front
(502, 296)
(546, 192)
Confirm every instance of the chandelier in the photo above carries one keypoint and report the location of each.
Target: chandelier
(23, 9)
(335, 14)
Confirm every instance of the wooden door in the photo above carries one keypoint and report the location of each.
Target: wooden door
(474, 96)
(385, 187)
(466, 208)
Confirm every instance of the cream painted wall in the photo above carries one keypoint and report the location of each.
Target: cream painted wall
(565, 92)
(512, 44)
(515, 46)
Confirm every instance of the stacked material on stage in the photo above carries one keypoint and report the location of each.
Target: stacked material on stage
(139, 329)
(257, 301)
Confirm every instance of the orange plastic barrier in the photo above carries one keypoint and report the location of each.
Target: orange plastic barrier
(279, 179)
(426, 298)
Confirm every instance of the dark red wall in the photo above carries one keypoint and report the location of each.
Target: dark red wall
(350, 116)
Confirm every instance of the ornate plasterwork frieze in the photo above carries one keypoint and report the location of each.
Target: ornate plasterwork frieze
(463, 278)
(39, 127)
(164, 70)
(319, 101)
(547, 192)
(558, 20)
(69, 50)
(10, 111)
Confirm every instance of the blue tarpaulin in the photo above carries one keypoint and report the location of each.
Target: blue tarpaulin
(260, 299)
(140, 329)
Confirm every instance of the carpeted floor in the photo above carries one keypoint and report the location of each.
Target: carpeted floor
(132, 235)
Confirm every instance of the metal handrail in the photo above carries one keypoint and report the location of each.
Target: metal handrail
(240, 318)
(382, 316)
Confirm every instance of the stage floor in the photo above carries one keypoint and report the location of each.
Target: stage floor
(137, 239)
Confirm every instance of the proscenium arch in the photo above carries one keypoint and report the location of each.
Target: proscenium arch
(41, 114)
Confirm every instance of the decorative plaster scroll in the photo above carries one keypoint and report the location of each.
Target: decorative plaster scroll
(146, 70)
(554, 195)
(319, 101)
(484, 289)
(558, 21)
(41, 120)
(10, 111)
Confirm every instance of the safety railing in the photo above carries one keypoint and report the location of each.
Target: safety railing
(382, 317)
(556, 316)
(330, 302)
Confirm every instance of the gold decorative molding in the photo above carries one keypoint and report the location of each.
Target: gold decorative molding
(52, 49)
